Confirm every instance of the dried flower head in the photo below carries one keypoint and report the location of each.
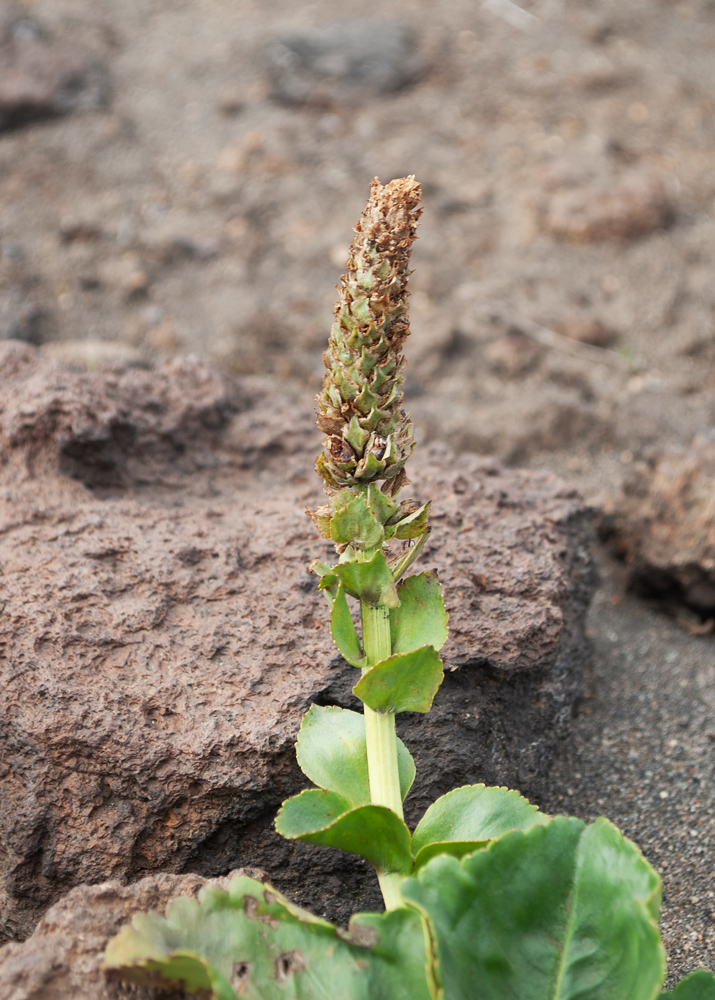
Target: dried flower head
(368, 434)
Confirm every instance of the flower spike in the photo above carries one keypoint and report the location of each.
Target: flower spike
(368, 435)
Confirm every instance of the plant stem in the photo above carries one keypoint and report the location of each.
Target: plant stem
(381, 739)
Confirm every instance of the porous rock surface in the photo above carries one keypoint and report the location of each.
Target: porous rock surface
(63, 958)
(161, 636)
(664, 527)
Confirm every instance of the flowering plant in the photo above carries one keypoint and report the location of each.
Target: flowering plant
(487, 898)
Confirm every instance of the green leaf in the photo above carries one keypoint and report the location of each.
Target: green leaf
(342, 629)
(421, 619)
(382, 506)
(407, 557)
(355, 436)
(250, 941)
(328, 580)
(355, 525)
(467, 818)
(559, 912)
(375, 833)
(406, 682)
(369, 581)
(332, 752)
(413, 525)
(699, 985)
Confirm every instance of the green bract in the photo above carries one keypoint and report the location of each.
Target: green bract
(488, 898)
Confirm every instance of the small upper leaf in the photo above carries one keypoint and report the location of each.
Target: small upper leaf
(402, 562)
(406, 682)
(469, 817)
(414, 524)
(421, 618)
(332, 752)
(342, 629)
(370, 581)
(356, 525)
(375, 833)
(382, 506)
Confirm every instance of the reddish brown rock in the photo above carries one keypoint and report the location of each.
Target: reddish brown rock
(161, 636)
(63, 958)
(664, 526)
(605, 208)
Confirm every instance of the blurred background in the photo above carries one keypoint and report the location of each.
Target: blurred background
(184, 177)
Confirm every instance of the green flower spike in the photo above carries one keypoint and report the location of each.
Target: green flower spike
(368, 434)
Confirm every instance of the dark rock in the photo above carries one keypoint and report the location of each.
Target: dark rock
(63, 958)
(20, 319)
(344, 62)
(664, 527)
(42, 77)
(161, 637)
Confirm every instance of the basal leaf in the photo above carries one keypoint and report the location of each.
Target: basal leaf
(342, 629)
(699, 985)
(375, 833)
(469, 817)
(356, 525)
(251, 942)
(559, 912)
(332, 752)
(421, 618)
(369, 581)
(406, 682)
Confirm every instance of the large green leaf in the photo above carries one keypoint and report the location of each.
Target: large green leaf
(253, 938)
(332, 752)
(469, 817)
(559, 912)
(375, 833)
(406, 682)
(421, 618)
(699, 985)
(356, 525)
(370, 581)
(342, 629)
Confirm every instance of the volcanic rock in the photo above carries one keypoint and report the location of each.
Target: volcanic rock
(664, 527)
(605, 208)
(341, 63)
(161, 636)
(62, 960)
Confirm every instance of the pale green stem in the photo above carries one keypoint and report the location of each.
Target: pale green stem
(381, 739)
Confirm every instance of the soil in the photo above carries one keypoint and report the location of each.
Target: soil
(563, 307)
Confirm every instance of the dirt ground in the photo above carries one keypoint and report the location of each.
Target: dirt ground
(563, 306)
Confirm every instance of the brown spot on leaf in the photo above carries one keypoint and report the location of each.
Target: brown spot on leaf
(288, 963)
